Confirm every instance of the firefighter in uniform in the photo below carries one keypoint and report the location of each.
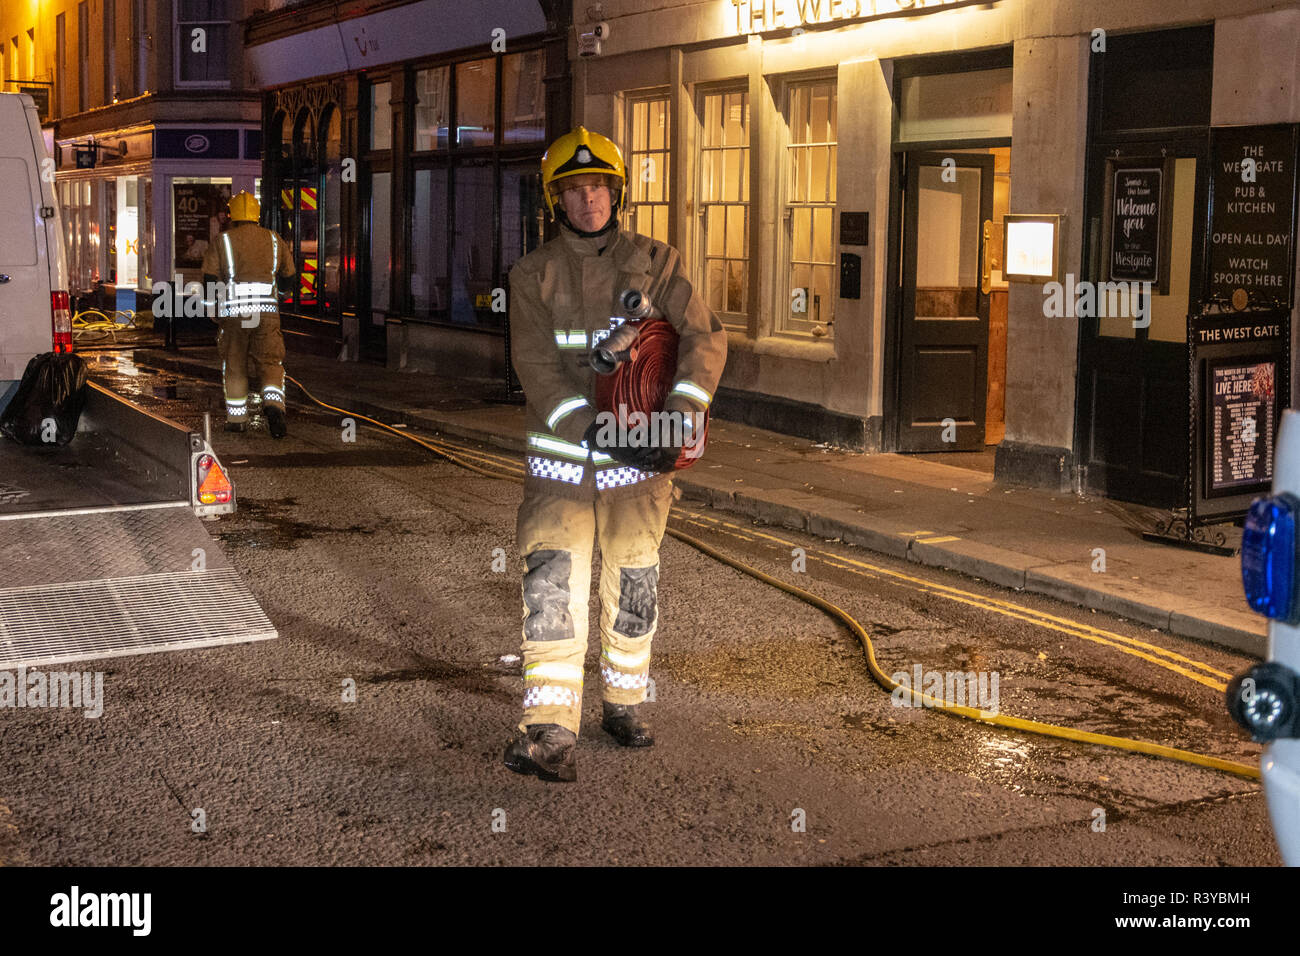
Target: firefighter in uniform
(578, 484)
(246, 261)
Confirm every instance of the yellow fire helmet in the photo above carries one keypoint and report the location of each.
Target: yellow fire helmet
(578, 152)
(244, 207)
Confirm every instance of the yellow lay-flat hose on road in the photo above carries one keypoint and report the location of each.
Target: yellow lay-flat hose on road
(458, 456)
(106, 327)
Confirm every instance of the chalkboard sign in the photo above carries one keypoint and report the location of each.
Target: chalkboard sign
(1242, 405)
(1135, 228)
(1251, 254)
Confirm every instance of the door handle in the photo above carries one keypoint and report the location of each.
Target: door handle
(3, 279)
(986, 272)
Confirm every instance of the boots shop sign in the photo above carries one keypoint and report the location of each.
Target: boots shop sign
(757, 16)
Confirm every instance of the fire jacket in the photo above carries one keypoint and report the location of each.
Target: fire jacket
(248, 259)
(563, 301)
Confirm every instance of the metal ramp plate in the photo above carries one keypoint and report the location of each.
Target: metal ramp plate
(111, 584)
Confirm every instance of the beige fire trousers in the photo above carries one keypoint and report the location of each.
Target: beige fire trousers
(253, 341)
(555, 538)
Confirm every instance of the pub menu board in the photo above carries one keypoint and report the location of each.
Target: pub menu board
(1252, 213)
(197, 213)
(1136, 224)
(1242, 403)
(1241, 363)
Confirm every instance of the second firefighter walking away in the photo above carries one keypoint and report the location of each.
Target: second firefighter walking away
(584, 482)
(246, 262)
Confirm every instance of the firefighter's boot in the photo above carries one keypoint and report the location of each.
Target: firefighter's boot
(624, 723)
(547, 750)
(275, 420)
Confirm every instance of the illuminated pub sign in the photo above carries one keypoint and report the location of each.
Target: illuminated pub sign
(755, 16)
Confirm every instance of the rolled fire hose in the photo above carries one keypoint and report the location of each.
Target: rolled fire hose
(637, 366)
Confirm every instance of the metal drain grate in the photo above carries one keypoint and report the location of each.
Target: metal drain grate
(116, 617)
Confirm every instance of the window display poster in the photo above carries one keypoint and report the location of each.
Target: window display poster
(127, 240)
(197, 217)
(1242, 402)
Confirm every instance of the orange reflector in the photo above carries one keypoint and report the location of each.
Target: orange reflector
(215, 488)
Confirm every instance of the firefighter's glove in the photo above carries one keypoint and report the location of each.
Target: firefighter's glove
(644, 456)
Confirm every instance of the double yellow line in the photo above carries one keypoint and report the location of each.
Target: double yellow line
(1198, 671)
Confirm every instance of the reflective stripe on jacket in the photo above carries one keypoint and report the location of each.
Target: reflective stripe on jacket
(248, 259)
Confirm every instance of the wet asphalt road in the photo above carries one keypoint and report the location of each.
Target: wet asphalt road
(374, 560)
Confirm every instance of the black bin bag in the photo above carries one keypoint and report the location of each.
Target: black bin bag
(49, 400)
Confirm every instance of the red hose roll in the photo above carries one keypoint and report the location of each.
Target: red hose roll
(643, 383)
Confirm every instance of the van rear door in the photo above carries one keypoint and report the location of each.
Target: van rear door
(25, 264)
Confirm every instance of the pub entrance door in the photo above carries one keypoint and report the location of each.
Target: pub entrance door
(944, 323)
(1149, 113)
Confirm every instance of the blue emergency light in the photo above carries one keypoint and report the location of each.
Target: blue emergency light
(1268, 559)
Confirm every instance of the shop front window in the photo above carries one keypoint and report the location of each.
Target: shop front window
(476, 102)
(307, 194)
(110, 190)
(469, 175)
(472, 267)
(810, 209)
(331, 236)
(523, 217)
(124, 201)
(647, 168)
(523, 103)
(80, 235)
(430, 288)
(432, 108)
(724, 201)
(380, 230)
(381, 116)
(199, 209)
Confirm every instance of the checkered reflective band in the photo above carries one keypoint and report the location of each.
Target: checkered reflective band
(618, 477)
(236, 407)
(550, 695)
(623, 681)
(249, 298)
(555, 470)
(273, 394)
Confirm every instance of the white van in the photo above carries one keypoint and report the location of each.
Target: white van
(34, 307)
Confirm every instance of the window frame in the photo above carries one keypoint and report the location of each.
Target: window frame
(783, 324)
(632, 166)
(733, 321)
(177, 46)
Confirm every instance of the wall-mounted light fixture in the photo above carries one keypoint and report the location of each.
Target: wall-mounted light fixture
(1031, 248)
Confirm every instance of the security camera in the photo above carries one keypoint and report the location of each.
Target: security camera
(592, 42)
